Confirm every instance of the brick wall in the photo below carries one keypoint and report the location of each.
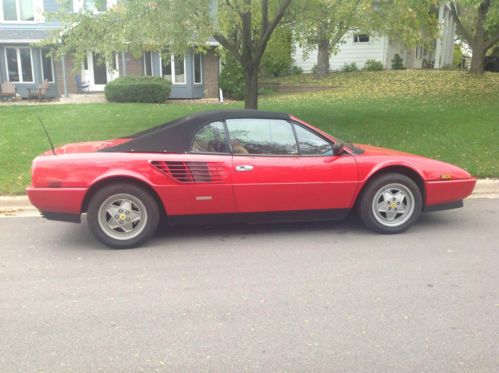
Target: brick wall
(211, 73)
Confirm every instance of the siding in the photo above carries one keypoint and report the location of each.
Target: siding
(348, 52)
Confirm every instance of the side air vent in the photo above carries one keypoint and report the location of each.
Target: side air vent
(192, 172)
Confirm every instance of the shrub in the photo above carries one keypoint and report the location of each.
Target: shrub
(138, 89)
(397, 62)
(232, 79)
(349, 67)
(373, 65)
(295, 70)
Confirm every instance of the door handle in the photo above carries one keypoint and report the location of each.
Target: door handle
(245, 167)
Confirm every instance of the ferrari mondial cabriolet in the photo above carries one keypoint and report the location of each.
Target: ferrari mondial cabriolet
(237, 166)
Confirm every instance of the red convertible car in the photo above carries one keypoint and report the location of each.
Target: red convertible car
(237, 166)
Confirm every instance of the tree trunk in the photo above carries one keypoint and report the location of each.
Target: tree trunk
(477, 65)
(251, 98)
(323, 57)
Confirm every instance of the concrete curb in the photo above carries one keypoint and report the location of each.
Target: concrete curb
(20, 205)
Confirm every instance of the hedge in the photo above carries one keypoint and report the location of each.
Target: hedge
(138, 89)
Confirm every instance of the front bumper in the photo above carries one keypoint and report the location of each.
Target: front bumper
(447, 192)
(57, 200)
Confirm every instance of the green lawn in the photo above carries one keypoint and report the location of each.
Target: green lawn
(445, 115)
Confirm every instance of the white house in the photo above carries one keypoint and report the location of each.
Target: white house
(359, 48)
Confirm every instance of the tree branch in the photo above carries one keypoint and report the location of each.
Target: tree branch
(459, 24)
(265, 15)
(268, 31)
(231, 47)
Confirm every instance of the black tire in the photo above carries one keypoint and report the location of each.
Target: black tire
(138, 205)
(404, 208)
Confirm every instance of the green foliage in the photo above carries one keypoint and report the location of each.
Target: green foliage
(397, 62)
(349, 67)
(410, 22)
(232, 79)
(373, 65)
(138, 89)
(468, 11)
(477, 23)
(295, 70)
(277, 59)
(457, 56)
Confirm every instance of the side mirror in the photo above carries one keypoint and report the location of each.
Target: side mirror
(337, 148)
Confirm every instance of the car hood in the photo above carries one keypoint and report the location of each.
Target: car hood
(86, 147)
(430, 169)
(374, 150)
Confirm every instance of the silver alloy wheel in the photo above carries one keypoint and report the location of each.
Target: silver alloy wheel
(393, 205)
(122, 216)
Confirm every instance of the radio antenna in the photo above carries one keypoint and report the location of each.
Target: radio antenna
(46, 133)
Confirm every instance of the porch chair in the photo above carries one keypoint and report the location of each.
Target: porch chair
(82, 86)
(7, 91)
(40, 93)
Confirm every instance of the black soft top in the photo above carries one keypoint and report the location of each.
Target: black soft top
(176, 136)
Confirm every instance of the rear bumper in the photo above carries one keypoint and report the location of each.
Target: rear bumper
(57, 200)
(447, 192)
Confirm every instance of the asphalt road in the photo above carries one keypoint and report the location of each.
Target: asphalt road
(293, 297)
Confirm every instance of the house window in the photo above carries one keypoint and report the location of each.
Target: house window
(18, 10)
(178, 63)
(47, 64)
(166, 68)
(361, 38)
(198, 68)
(148, 63)
(174, 70)
(19, 65)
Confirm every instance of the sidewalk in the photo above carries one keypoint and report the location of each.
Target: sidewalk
(20, 205)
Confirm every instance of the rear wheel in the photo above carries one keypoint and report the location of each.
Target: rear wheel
(123, 215)
(390, 203)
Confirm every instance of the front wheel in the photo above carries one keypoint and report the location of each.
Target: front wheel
(123, 215)
(390, 203)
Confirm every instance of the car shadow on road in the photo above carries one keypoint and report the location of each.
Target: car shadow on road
(348, 225)
(351, 225)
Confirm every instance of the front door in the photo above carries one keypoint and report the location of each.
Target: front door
(97, 72)
(281, 166)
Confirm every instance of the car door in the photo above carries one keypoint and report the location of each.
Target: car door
(279, 165)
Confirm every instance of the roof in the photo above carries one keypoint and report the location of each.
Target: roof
(175, 136)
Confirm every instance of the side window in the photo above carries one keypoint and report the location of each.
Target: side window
(210, 139)
(311, 144)
(261, 136)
